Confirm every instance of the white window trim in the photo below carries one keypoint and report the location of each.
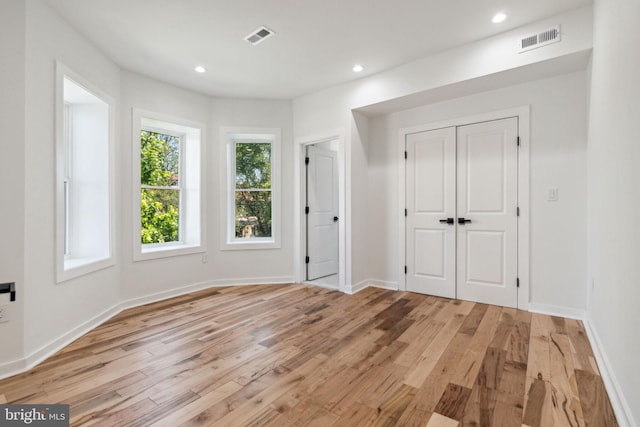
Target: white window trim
(229, 136)
(174, 126)
(68, 268)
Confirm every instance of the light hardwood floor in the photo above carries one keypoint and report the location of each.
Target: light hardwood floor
(298, 355)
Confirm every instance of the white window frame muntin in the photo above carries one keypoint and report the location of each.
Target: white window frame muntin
(67, 267)
(230, 136)
(167, 124)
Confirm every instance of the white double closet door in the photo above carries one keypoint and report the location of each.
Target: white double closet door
(462, 223)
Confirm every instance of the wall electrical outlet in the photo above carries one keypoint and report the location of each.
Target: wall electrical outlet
(205, 259)
(4, 313)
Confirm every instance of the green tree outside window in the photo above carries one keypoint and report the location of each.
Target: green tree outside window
(253, 190)
(160, 187)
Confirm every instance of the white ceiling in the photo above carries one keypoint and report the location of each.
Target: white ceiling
(315, 45)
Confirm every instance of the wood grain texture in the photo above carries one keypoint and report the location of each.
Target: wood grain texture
(294, 355)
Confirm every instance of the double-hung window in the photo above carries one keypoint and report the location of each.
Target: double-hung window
(168, 186)
(84, 208)
(252, 208)
(160, 186)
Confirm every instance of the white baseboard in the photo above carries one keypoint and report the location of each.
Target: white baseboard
(354, 289)
(374, 284)
(554, 310)
(392, 286)
(19, 366)
(200, 286)
(618, 401)
(321, 285)
(47, 350)
(14, 367)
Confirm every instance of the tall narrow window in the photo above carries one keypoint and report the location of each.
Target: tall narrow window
(253, 193)
(253, 188)
(168, 193)
(160, 187)
(83, 177)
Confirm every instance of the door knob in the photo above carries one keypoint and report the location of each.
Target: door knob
(335, 219)
(463, 221)
(447, 221)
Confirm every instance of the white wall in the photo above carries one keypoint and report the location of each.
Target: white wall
(12, 118)
(144, 278)
(469, 65)
(614, 193)
(53, 310)
(557, 159)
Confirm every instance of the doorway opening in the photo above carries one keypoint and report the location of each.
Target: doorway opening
(320, 248)
(321, 213)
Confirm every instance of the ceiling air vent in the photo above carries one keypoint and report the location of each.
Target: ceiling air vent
(534, 41)
(259, 35)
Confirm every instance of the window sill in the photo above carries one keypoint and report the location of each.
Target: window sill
(250, 244)
(76, 267)
(149, 252)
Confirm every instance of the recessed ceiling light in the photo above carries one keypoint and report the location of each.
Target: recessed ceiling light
(498, 18)
(200, 69)
(357, 68)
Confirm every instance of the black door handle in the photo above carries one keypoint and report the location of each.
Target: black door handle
(463, 221)
(335, 219)
(447, 221)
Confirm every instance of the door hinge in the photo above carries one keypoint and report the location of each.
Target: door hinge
(405, 269)
(406, 212)
(518, 211)
(406, 155)
(306, 260)
(517, 282)
(306, 160)
(306, 210)
(518, 141)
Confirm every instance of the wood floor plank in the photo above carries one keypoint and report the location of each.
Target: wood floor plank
(438, 420)
(568, 409)
(594, 400)
(293, 355)
(453, 401)
(423, 366)
(199, 405)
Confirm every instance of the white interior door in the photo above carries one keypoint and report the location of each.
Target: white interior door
(487, 240)
(461, 224)
(431, 205)
(322, 217)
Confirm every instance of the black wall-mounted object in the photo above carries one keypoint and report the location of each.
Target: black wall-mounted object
(8, 288)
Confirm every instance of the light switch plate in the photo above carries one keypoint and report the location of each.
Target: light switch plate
(552, 195)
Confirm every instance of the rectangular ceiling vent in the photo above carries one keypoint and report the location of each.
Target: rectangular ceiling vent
(536, 40)
(259, 35)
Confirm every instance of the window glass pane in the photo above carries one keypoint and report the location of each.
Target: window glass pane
(159, 212)
(253, 165)
(253, 214)
(159, 159)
